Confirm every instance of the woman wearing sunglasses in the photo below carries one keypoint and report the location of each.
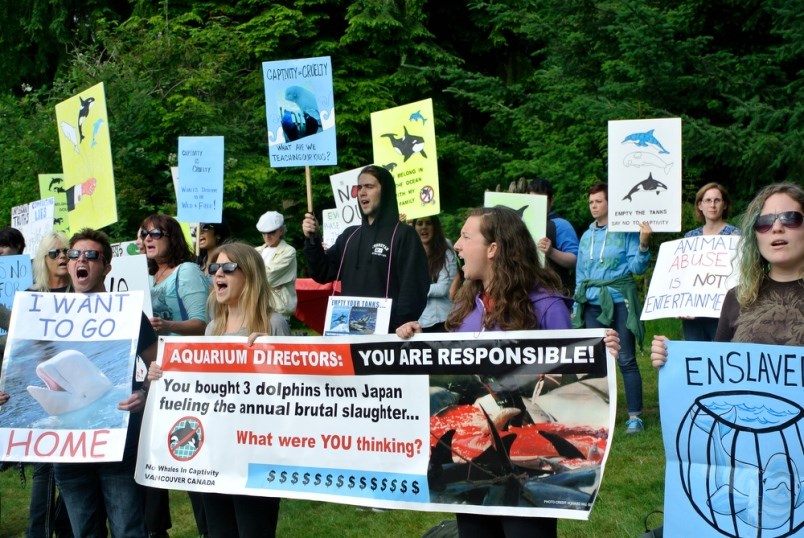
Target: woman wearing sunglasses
(211, 236)
(46, 512)
(179, 292)
(767, 307)
(241, 304)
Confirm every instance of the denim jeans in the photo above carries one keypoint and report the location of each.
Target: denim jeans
(700, 329)
(632, 379)
(46, 512)
(87, 488)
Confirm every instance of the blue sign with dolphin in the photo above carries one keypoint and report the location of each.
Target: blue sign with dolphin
(732, 422)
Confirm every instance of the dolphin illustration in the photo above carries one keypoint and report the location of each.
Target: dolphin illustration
(417, 116)
(83, 113)
(72, 382)
(407, 145)
(55, 181)
(646, 158)
(390, 166)
(95, 128)
(649, 184)
(644, 139)
(762, 497)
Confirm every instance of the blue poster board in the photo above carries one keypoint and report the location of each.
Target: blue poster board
(733, 428)
(200, 193)
(300, 109)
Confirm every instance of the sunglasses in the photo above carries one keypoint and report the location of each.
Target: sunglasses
(74, 254)
(207, 227)
(789, 219)
(228, 267)
(54, 252)
(156, 233)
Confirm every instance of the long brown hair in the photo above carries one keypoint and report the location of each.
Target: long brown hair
(179, 251)
(516, 271)
(437, 250)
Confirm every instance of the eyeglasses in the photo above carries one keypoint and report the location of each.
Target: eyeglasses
(228, 267)
(156, 233)
(89, 255)
(207, 227)
(789, 219)
(712, 201)
(55, 252)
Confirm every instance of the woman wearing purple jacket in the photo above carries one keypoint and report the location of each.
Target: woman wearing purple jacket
(506, 289)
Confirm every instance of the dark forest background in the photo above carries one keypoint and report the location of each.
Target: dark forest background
(520, 88)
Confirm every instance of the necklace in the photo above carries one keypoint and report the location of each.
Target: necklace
(162, 274)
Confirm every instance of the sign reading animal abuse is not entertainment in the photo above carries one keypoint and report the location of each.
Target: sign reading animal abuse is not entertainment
(436, 423)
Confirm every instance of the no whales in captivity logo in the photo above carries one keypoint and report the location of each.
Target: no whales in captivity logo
(186, 438)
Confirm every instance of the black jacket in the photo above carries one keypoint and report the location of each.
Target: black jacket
(371, 250)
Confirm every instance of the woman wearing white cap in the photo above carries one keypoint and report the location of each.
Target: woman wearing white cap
(280, 262)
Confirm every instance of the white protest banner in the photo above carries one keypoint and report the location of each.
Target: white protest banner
(332, 226)
(691, 277)
(344, 189)
(645, 174)
(731, 423)
(34, 220)
(200, 194)
(131, 273)
(68, 362)
(384, 422)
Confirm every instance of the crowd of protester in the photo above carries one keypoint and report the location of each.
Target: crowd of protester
(491, 279)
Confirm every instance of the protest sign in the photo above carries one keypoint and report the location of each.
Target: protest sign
(379, 421)
(344, 190)
(357, 315)
(130, 273)
(68, 362)
(15, 275)
(731, 422)
(52, 186)
(300, 109)
(531, 207)
(34, 220)
(332, 226)
(86, 157)
(645, 174)
(691, 277)
(125, 248)
(200, 194)
(404, 143)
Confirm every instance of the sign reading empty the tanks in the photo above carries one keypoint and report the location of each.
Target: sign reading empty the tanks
(436, 423)
(645, 174)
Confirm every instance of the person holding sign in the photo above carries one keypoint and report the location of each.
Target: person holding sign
(712, 204)
(606, 293)
(46, 512)
(179, 292)
(381, 257)
(280, 262)
(87, 487)
(767, 307)
(506, 289)
(241, 306)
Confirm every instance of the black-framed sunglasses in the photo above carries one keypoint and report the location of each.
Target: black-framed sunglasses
(156, 233)
(54, 252)
(74, 254)
(228, 267)
(207, 227)
(789, 219)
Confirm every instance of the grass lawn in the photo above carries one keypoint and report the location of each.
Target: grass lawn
(633, 485)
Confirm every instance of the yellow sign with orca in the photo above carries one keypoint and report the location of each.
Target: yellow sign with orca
(404, 142)
(86, 156)
(52, 186)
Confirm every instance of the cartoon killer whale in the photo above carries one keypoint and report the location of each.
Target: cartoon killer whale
(83, 113)
(649, 184)
(407, 145)
(71, 380)
(186, 435)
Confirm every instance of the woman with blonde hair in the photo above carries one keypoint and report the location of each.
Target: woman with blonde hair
(241, 305)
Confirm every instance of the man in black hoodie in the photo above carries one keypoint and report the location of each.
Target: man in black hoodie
(382, 257)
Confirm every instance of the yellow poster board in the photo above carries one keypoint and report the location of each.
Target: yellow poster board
(52, 186)
(404, 143)
(86, 156)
